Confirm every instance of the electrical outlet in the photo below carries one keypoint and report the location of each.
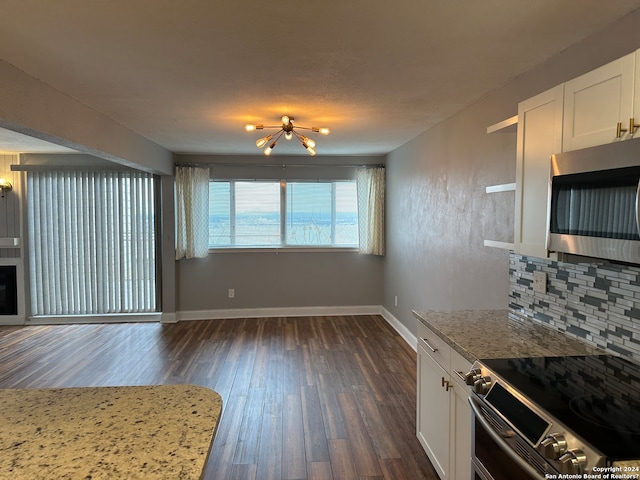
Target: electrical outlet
(540, 282)
(231, 293)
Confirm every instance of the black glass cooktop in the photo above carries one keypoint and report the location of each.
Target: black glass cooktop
(597, 397)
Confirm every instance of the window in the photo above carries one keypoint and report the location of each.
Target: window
(283, 214)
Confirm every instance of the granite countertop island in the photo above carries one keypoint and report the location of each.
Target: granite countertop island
(477, 334)
(151, 432)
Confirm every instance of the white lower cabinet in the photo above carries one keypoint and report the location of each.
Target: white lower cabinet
(461, 432)
(443, 415)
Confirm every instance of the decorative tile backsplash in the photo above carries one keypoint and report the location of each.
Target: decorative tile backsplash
(598, 303)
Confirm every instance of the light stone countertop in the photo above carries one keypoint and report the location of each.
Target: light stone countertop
(478, 334)
(151, 432)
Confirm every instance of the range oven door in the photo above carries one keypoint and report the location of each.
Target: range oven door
(493, 454)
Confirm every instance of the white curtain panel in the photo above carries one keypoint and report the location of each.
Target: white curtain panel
(371, 186)
(192, 212)
(91, 242)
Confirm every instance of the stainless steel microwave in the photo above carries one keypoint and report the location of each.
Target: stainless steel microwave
(594, 202)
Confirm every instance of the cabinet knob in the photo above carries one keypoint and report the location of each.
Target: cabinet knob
(619, 130)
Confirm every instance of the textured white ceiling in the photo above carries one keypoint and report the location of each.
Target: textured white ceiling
(189, 74)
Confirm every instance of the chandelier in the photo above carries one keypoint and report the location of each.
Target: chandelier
(289, 131)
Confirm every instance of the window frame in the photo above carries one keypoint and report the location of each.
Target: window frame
(283, 246)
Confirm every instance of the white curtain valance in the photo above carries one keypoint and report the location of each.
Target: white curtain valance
(192, 212)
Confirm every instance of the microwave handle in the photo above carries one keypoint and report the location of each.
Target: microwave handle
(504, 446)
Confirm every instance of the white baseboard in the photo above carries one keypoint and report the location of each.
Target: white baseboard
(277, 312)
(398, 326)
(12, 320)
(169, 317)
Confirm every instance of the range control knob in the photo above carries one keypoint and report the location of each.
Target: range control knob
(573, 462)
(553, 446)
(482, 385)
(473, 375)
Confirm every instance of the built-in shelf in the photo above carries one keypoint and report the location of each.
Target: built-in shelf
(504, 187)
(9, 242)
(510, 125)
(497, 244)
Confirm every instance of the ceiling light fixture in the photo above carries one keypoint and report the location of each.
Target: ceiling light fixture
(289, 131)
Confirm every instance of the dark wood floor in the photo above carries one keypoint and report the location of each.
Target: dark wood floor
(304, 398)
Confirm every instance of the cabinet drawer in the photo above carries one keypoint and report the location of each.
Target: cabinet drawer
(437, 348)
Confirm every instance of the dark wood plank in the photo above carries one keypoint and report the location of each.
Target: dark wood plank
(294, 463)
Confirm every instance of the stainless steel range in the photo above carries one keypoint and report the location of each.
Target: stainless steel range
(543, 417)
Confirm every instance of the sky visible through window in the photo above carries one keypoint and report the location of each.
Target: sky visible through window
(245, 213)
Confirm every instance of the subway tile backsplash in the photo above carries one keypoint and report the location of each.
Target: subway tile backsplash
(598, 303)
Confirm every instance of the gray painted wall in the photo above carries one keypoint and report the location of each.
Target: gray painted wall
(282, 279)
(278, 280)
(438, 213)
(32, 107)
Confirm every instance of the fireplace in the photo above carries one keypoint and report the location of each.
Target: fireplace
(8, 290)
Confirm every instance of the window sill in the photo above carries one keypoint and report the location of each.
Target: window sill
(278, 250)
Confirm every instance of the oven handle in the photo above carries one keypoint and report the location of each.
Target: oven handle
(474, 402)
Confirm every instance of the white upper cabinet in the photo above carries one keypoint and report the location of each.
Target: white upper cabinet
(598, 105)
(539, 137)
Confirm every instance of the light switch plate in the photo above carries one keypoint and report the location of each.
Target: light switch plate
(540, 282)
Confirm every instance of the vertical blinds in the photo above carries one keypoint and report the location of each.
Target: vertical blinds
(91, 242)
(608, 212)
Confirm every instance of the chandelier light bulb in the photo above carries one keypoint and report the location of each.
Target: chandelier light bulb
(249, 127)
(309, 141)
(261, 142)
(285, 120)
(321, 130)
(269, 149)
(288, 135)
(310, 150)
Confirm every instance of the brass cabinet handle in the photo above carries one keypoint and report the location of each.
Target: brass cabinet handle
(632, 126)
(446, 384)
(619, 130)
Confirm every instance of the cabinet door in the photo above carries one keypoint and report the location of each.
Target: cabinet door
(595, 102)
(539, 137)
(433, 412)
(460, 432)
